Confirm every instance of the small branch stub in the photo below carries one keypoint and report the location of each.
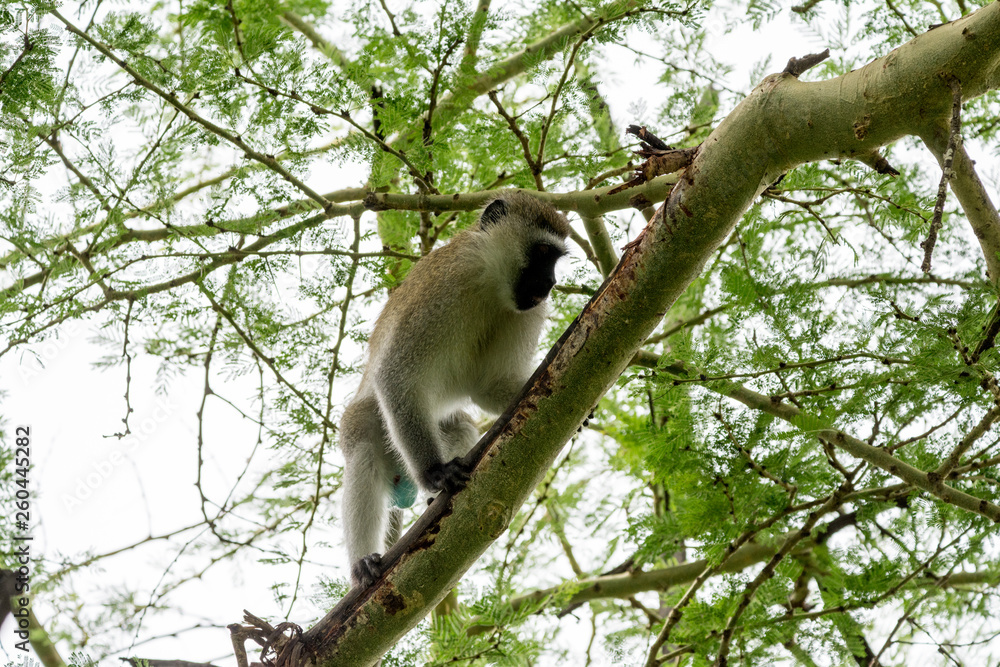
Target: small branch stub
(796, 66)
(877, 161)
(660, 158)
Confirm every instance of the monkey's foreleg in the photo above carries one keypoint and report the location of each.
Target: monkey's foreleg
(419, 441)
(497, 396)
(459, 433)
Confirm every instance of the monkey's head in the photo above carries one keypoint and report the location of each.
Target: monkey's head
(526, 238)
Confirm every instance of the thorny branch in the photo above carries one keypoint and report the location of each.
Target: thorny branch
(327, 433)
(128, 373)
(946, 175)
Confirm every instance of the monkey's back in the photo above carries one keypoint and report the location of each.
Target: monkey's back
(452, 298)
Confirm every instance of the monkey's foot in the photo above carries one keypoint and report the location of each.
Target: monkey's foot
(450, 476)
(366, 571)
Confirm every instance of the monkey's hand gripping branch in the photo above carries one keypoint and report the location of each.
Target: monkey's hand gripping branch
(450, 476)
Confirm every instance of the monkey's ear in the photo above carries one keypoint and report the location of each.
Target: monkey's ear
(494, 212)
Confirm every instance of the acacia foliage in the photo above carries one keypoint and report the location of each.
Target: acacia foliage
(197, 214)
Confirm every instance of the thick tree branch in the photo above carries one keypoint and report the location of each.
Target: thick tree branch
(584, 202)
(627, 584)
(604, 128)
(604, 249)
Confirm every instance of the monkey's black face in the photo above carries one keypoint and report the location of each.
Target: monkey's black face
(538, 277)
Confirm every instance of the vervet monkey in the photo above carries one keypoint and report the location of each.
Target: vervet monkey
(463, 325)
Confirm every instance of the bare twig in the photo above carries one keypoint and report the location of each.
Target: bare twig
(946, 175)
(171, 98)
(128, 373)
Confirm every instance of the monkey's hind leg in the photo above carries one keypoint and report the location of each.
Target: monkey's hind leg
(366, 518)
(367, 485)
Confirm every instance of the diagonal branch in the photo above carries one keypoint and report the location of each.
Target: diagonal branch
(466, 89)
(470, 53)
(329, 50)
(932, 482)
